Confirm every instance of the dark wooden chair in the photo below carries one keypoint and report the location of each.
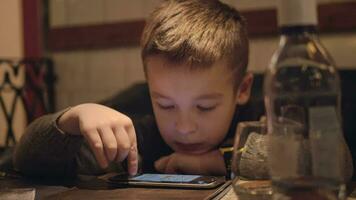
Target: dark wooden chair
(26, 92)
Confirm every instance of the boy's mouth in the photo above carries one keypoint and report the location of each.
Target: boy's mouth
(192, 148)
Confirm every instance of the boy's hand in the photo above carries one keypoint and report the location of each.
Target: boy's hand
(110, 134)
(210, 163)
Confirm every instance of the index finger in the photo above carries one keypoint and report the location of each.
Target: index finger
(132, 158)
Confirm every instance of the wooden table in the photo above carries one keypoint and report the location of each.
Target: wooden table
(97, 188)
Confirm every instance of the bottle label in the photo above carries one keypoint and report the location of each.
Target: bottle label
(325, 142)
(283, 160)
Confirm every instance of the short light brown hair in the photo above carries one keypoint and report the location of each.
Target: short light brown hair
(197, 33)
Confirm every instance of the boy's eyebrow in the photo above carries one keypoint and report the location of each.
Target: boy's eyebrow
(203, 96)
(158, 95)
(211, 96)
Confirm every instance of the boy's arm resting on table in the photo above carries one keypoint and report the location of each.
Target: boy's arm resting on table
(108, 137)
(45, 151)
(209, 163)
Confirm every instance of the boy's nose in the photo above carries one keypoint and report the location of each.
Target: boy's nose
(185, 125)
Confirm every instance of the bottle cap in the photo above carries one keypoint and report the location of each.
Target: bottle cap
(297, 12)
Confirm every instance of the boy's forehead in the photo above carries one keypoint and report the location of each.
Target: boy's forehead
(159, 70)
(163, 62)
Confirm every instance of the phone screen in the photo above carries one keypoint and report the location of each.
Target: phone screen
(167, 180)
(172, 178)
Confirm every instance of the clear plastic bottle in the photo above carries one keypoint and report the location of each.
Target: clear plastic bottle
(302, 99)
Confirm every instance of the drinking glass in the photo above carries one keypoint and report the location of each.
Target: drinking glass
(250, 177)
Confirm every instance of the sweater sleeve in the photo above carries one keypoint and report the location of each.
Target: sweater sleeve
(45, 151)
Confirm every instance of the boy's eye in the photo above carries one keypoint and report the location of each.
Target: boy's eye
(165, 107)
(206, 108)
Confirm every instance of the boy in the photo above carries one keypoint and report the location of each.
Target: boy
(195, 55)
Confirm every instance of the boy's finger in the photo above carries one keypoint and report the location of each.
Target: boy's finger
(161, 164)
(123, 143)
(132, 160)
(133, 154)
(132, 134)
(96, 145)
(109, 141)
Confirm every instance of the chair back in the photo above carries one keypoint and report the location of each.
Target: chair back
(26, 92)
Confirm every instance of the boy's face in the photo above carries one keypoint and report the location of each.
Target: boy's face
(193, 108)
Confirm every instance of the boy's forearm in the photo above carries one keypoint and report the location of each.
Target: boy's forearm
(45, 151)
(213, 163)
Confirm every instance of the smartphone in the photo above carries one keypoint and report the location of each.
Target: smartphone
(168, 180)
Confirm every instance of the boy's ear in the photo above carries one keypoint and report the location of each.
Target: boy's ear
(244, 90)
